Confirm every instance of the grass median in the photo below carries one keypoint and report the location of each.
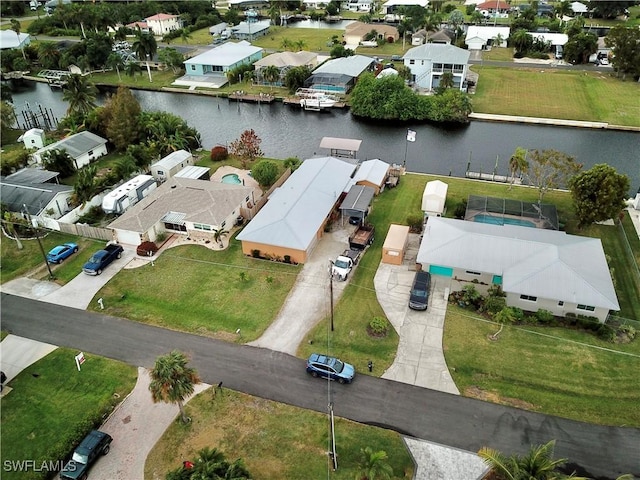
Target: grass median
(273, 439)
(53, 406)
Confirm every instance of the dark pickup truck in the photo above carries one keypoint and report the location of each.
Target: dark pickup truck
(95, 444)
(362, 237)
(102, 258)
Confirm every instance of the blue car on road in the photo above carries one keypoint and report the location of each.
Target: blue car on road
(329, 367)
(59, 253)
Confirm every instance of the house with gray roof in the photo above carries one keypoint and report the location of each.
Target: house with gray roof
(185, 206)
(537, 268)
(82, 147)
(30, 195)
(430, 61)
(284, 61)
(372, 173)
(339, 75)
(293, 219)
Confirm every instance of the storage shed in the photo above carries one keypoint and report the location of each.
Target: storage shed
(168, 166)
(434, 197)
(33, 138)
(395, 244)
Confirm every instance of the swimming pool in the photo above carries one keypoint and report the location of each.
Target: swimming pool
(231, 178)
(483, 218)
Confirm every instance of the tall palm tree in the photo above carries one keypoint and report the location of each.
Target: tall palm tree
(48, 54)
(172, 381)
(145, 44)
(373, 465)
(538, 464)
(518, 164)
(271, 74)
(80, 94)
(114, 60)
(15, 26)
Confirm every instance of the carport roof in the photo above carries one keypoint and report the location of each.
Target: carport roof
(32, 175)
(358, 199)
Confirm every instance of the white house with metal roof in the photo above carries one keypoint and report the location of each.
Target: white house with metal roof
(479, 36)
(392, 6)
(293, 219)
(537, 268)
(187, 206)
(168, 166)
(82, 147)
(209, 69)
(430, 61)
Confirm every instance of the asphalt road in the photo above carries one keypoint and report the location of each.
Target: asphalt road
(594, 451)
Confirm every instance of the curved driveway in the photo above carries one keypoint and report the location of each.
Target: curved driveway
(464, 423)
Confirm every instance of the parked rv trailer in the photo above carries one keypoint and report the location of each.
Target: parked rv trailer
(128, 194)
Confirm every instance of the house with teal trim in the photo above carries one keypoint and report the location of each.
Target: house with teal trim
(209, 69)
(537, 268)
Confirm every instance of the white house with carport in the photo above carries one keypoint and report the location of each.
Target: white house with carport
(537, 268)
(209, 69)
(434, 198)
(82, 147)
(430, 61)
(27, 192)
(293, 219)
(479, 37)
(184, 206)
(372, 173)
(168, 166)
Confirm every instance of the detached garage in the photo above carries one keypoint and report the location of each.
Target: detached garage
(395, 244)
(434, 198)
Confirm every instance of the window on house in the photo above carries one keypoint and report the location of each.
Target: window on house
(560, 303)
(160, 172)
(412, 62)
(530, 298)
(90, 152)
(223, 224)
(588, 308)
(193, 67)
(200, 226)
(246, 199)
(473, 273)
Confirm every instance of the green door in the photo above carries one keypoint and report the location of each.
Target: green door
(439, 270)
(497, 279)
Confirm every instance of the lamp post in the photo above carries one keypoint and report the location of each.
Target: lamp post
(331, 290)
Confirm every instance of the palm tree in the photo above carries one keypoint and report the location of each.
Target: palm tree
(131, 68)
(48, 54)
(15, 26)
(271, 74)
(518, 164)
(218, 233)
(300, 45)
(497, 40)
(145, 44)
(115, 61)
(172, 381)
(80, 94)
(286, 44)
(522, 41)
(538, 464)
(373, 465)
(185, 35)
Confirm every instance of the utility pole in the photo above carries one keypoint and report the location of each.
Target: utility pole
(35, 229)
(331, 291)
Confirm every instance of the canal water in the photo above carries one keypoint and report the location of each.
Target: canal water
(288, 131)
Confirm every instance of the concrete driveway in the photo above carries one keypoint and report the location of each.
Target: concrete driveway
(77, 293)
(17, 353)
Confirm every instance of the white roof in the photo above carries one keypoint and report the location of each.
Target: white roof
(438, 53)
(228, 53)
(295, 211)
(548, 264)
(578, 7)
(406, 3)
(385, 72)
(77, 144)
(554, 38)
(374, 171)
(9, 39)
(173, 159)
(487, 33)
(110, 199)
(434, 196)
(352, 66)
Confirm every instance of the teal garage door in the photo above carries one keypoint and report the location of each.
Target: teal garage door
(438, 270)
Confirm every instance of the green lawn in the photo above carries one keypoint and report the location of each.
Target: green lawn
(550, 375)
(274, 440)
(207, 285)
(498, 54)
(545, 92)
(53, 406)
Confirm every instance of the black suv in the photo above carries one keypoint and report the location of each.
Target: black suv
(95, 444)
(419, 296)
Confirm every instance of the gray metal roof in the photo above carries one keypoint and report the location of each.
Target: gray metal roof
(173, 159)
(296, 211)
(373, 171)
(32, 176)
(352, 66)
(16, 195)
(228, 53)
(438, 53)
(77, 144)
(358, 199)
(543, 263)
(203, 202)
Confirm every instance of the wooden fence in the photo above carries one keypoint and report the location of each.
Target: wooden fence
(87, 231)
